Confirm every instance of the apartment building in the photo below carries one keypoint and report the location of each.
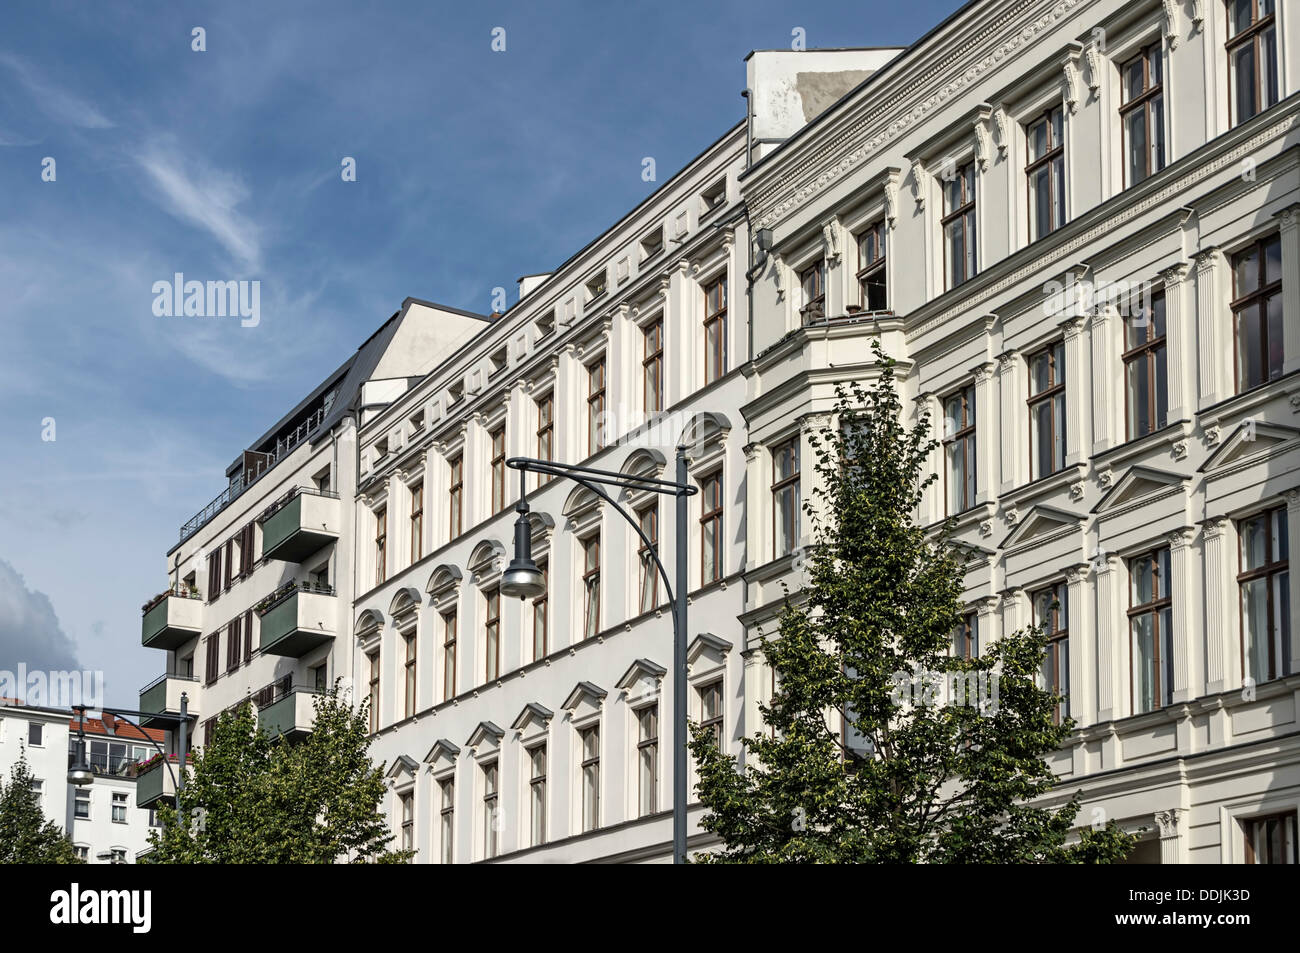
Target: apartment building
(101, 819)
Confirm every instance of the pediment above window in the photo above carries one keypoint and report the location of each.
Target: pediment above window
(1137, 483)
(707, 647)
(442, 755)
(1250, 438)
(532, 718)
(487, 736)
(1041, 524)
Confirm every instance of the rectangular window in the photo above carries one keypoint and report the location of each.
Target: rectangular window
(596, 407)
(1143, 114)
(959, 226)
(715, 330)
(417, 522)
(591, 586)
(408, 821)
(1150, 622)
(966, 637)
(1047, 411)
(35, 734)
(1146, 369)
(652, 367)
(491, 819)
(711, 528)
(711, 710)
(409, 642)
(446, 818)
(381, 546)
(959, 449)
(648, 520)
(119, 807)
(455, 494)
(492, 634)
(1271, 840)
(1265, 582)
(233, 646)
(1046, 173)
(448, 655)
(1257, 312)
(1252, 57)
(813, 282)
(545, 432)
(498, 438)
(589, 738)
(373, 697)
(1051, 607)
(647, 759)
(81, 805)
(785, 497)
(212, 658)
(872, 288)
(540, 623)
(248, 642)
(537, 795)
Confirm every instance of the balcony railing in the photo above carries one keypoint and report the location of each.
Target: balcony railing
(231, 493)
(171, 620)
(299, 524)
(179, 590)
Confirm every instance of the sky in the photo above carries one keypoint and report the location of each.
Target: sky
(473, 166)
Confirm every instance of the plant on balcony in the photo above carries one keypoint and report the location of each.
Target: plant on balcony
(856, 765)
(249, 799)
(26, 837)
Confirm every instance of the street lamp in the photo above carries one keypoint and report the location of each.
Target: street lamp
(81, 774)
(522, 578)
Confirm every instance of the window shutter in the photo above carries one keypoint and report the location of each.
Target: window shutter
(214, 574)
(248, 636)
(248, 559)
(230, 560)
(213, 646)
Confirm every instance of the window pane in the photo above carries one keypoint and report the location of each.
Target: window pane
(1144, 664)
(1254, 623)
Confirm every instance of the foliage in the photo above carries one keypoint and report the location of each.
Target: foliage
(26, 836)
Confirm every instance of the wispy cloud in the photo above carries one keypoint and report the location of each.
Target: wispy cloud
(206, 198)
(53, 100)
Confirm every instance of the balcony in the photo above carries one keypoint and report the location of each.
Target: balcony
(171, 619)
(289, 714)
(154, 783)
(163, 696)
(297, 619)
(299, 524)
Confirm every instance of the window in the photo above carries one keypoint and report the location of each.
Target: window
(813, 282)
(448, 655)
(455, 494)
(545, 324)
(959, 448)
(540, 604)
(711, 528)
(498, 361)
(1143, 114)
(966, 637)
(81, 805)
(373, 697)
(491, 824)
(1051, 613)
(1146, 369)
(248, 628)
(381, 545)
(409, 641)
(1047, 411)
(498, 438)
(82, 852)
(492, 634)
(711, 710)
(596, 407)
(545, 432)
(1271, 840)
(959, 226)
(596, 286)
(38, 788)
(1252, 57)
(591, 586)
(537, 795)
(212, 658)
(715, 196)
(119, 807)
(589, 739)
(785, 497)
(652, 244)
(35, 734)
(647, 759)
(871, 269)
(447, 817)
(408, 821)
(1257, 312)
(1265, 596)
(318, 677)
(1150, 621)
(233, 646)
(1046, 173)
(715, 329)
(652, 367)
(417, 522)
(648, 520)
(214, 574)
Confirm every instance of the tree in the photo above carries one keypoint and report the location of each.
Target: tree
(882, 746)
(26, 837)
(249, 799)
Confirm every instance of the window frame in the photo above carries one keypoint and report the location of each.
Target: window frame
(648, 521)
(1144, 102)
(781, 484)
(1049, 160)
(541, 611)
(1058, 640)
(374, 687)
(964, 434)
(1258, 301)
(814, 303)
(1276, 521)
(381, 545)
(417, 522)
(450, 633)
(590, 583)
(1148, 350)
(1055, 388)
(491, 634)
(456, 495)
(875, 268)
(711, 526)
(545, 432)
(1250, 825)
(715, 323)
(596, 385)
(536, 800)
(491, 775)
(652, 366)
(965, 216)
(589, 818)
(647, 754)
(497, 442)
(409, 672)
(1162, 641)
(1252, 36)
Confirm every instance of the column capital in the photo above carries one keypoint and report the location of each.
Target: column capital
(1180, 538)
(1215, 526)
(1174, 275)
(984, 372)
(1292, 499)
(1072, 327)
(1007, 361)
(1206, 259)
(1288, 217)
(1169, 823)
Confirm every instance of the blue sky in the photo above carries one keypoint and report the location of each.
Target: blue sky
(473, 167)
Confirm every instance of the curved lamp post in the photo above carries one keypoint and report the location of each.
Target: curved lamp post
(522, 578)
(80, 773)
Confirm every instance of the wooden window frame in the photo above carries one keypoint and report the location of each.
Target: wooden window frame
(1147, 350)
(1249, 826)
(647, 743)
(596, 383)
(1257, 300)
(491, 635)
(586, 762)
(590, 580)
(1058, 639)
(814, 299)
(491, 804)
(536, 800)
(873, 269)
(456, 496)
(715, 721)
(711, 524)
(545, 432)
(963, 434)
(962, 216)
(715, 323)
(649, 572)
(1049, 160)
(1144, 102)
(447, 820)
(417, 522)
(1055, 388)
(410, 672)
(450, 631)
(1277, 668)
(1252, 35)
(652, 366)
(497, 438)
(1162, 640)
(541, 611)
(381, 545)
(781, 484)
(374, 659)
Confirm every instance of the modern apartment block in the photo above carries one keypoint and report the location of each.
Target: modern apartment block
(1072, 222)
(101, 819)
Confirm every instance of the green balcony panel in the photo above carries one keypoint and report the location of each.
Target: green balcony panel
(155, 784)
(301, 527)
(163, 696)
(298, 623)
(291, 715)
(171, 622)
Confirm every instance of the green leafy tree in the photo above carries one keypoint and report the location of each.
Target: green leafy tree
(252, 800)
(26, 836)
(866, 760)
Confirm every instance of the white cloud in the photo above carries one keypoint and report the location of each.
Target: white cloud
(54, 101)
